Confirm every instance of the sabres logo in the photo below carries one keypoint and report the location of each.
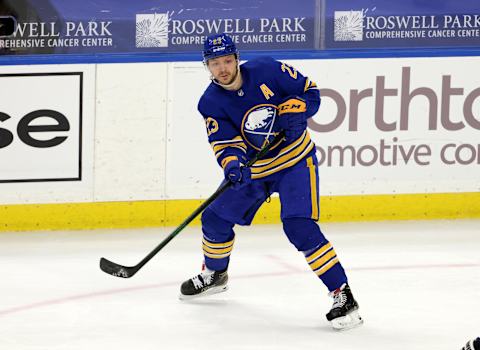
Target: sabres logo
(212, 125)
(258, 125)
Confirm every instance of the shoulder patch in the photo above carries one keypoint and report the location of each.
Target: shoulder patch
(212, 125)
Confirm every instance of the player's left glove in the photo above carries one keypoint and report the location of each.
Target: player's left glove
(236, 173)
(293, 117)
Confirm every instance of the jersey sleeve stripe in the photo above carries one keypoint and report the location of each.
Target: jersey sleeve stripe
(284, 151)
(309, 85)
(294, 160)
(287, 157)
(220, 146)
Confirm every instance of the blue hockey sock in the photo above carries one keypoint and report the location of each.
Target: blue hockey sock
(218, 239)
(307, 237)
(324, 262)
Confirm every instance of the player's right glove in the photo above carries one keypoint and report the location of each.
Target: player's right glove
(236, 172)
(292, 117)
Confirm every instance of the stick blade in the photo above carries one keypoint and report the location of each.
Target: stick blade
(116, 270)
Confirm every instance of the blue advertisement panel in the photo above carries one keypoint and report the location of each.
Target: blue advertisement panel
(369, 24)
(142, 26)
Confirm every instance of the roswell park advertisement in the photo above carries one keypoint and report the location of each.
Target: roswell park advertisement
(144, 26)
(154, 26)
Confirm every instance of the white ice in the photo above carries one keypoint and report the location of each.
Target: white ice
(418, 285)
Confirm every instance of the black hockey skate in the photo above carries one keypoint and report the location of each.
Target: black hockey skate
(472, 345)
(206, 283)
(344, 313)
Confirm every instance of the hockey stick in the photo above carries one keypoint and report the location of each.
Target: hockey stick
(128, 271)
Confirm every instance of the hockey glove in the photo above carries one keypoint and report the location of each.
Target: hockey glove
(236, 173)
(293, 117)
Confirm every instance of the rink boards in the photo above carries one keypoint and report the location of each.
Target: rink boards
(122, 145)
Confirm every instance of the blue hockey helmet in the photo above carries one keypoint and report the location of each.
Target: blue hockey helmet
(218, 45)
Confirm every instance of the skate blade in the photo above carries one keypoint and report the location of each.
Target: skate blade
(213, 290)
(349, 321)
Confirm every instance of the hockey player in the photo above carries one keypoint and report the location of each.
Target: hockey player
(473, 344)
(244, 107)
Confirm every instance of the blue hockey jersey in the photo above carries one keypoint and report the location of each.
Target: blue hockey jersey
(240, 122)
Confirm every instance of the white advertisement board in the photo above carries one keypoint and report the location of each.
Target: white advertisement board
(130, 131)
(40, 137)
(46, 133)
(398, 125)
(385, 126)
(192, 170)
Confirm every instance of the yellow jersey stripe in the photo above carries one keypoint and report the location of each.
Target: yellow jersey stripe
(307, 84)
(319, 252)
(218, 245)
(241, 147)
(283, 151)
(284, 165)
(313, 189)
(216, 250)
(219, 146)
(227, 160)
(324, 259)
(233, 144)
(283, 158)
(235, 139)
(327, 267)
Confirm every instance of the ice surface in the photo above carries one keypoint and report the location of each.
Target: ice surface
(418, 285)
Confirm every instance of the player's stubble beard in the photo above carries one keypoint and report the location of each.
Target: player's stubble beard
(235, 83)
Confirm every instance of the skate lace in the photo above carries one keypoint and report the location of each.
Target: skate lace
(197, 283)
(339, 299)
(208, 278)
(204, 279)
